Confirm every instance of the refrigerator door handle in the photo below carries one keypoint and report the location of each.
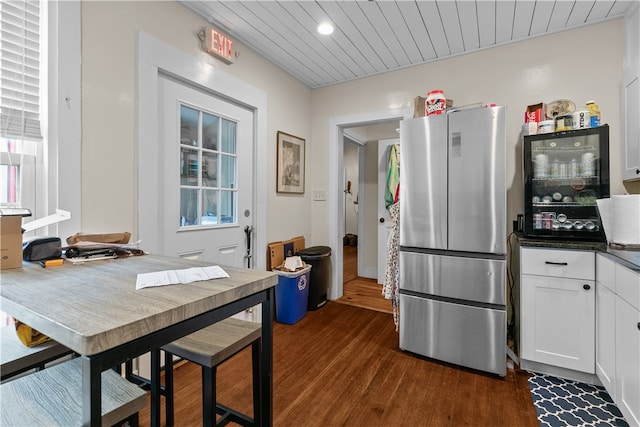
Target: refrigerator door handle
(556, 263)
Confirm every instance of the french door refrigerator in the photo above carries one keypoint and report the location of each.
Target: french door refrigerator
(452, 255)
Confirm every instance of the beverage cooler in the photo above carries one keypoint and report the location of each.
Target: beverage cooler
(564, 173)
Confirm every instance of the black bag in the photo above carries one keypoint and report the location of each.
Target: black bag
(41, 248)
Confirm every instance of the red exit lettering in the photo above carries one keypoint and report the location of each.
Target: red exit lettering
(221, 44)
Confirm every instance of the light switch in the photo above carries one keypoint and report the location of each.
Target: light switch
(319, 195)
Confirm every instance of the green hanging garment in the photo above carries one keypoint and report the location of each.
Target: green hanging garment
(392, 190)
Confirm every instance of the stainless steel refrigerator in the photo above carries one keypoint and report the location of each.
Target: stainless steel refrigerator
(452, 255)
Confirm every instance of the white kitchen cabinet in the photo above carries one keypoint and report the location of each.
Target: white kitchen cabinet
(631, 97)
(628, 344)
(557, 308)
(606, 323)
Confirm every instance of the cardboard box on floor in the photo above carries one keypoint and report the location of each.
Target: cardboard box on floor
(278, 251)
(11, 237)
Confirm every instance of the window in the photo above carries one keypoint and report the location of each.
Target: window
(21, 100)
(208, 171)
(34, 157)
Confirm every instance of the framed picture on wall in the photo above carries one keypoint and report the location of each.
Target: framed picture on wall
(290, 166)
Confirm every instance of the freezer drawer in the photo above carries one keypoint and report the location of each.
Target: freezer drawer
(460, 334)
(472, 279)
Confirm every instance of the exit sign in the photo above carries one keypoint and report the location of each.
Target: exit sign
(218, 44)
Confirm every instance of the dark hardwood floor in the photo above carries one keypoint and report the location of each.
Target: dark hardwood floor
(341, 366)
(360, 291)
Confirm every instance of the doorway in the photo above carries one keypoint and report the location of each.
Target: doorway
(359, 257)
(155, 59)
(207, 201)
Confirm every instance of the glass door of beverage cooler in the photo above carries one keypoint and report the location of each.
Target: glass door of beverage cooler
(564, 173)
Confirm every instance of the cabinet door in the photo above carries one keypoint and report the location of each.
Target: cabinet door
(631, 155)
(628, 361)
(606, 338)
(558, 322)
(631, 98)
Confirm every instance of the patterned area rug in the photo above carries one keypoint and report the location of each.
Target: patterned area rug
(561, 402)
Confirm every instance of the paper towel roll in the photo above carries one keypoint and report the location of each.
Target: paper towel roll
(604, 209)
(625, 219)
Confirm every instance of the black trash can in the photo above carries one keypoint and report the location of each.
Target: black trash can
(320, 259)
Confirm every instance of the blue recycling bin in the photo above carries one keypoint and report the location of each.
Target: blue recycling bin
(292, 293)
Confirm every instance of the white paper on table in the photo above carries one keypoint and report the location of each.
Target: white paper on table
(173, 277)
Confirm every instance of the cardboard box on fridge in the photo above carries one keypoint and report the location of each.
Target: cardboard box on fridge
(418, 106)
(11, 237)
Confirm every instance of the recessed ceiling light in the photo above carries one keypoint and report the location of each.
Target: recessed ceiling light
(325, 28)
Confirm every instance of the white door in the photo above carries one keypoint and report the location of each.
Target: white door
(384, 220)
(206, 153)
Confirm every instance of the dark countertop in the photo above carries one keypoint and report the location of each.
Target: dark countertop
(630, 258)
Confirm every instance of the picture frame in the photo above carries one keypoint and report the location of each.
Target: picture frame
(290, 172)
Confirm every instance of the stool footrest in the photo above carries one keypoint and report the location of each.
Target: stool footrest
(231, 415)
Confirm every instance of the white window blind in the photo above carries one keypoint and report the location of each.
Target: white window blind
(20, 69)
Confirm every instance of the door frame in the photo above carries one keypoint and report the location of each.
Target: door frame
(153, 57)
(335, 198)
(360, 141)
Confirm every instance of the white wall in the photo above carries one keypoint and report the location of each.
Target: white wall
(516, 75)
(538, 70)
(108, 110)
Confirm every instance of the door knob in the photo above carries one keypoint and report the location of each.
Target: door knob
(586, 287)
(381, 220)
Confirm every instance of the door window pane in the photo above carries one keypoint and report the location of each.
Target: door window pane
(188, 166)
(209, 207)
(228, 136)
(188, 207)
(228, 206)
(228, 169)
(188, 126)
(209, 131)
(208, 169)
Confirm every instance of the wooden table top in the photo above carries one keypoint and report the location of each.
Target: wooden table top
(94, 306)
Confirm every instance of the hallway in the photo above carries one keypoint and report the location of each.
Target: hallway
(360, 291)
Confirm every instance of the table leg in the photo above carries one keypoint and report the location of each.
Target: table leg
(155, 387)
(91, 393)
(267, 362)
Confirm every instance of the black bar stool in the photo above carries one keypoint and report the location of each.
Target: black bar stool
(209, 347)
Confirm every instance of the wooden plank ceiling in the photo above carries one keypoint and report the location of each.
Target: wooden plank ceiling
(373, 37)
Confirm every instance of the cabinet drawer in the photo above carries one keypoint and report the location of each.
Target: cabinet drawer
(606, 272)
(558, 263)
(628, 285)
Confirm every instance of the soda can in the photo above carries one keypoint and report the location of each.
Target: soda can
(547, 220)
(537, 221)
